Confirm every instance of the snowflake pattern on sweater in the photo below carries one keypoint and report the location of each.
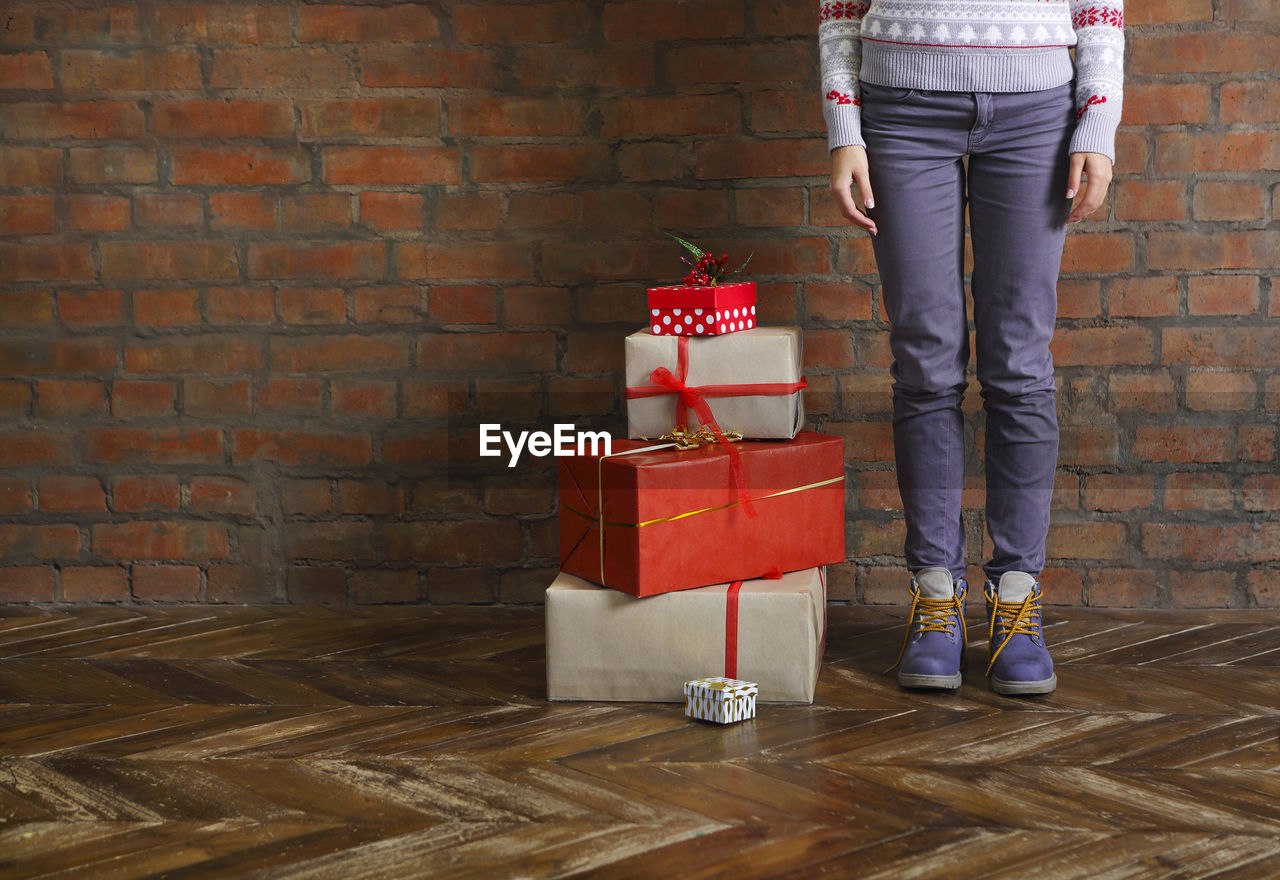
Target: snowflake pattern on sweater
(972, 45)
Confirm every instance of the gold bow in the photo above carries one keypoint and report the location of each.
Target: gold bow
(686, 439)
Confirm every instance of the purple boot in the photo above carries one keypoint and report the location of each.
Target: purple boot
(933, 648)
(1020, 662)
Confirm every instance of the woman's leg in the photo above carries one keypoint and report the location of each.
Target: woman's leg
(915, 145)
(1017, 216)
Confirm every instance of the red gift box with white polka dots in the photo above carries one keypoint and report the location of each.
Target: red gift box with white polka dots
(693, 310)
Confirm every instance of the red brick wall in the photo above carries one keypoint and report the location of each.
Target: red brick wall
(253, 254)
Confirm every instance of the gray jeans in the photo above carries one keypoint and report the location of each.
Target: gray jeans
(1015, 187)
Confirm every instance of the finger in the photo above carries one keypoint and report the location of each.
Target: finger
(844, 198)
(1073, 175)
(863, 181)
(1095, 193)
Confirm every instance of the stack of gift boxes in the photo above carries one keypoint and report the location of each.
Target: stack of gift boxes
(697, 548)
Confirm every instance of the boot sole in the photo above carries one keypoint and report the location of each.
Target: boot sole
(917, 680)
(1024, 687)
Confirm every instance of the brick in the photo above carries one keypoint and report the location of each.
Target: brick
(392, 165)
(855, 257)
(210, 353)
(652, 20)
(222, 495)
(345, 541)
(300, 68)
(771, 63)
(26, 70)
(93, 213)
(1140, 200)
(465, 260)
(26, 215)
(68, 398)
(88, 308)
(403, 23)
(455, 586)
(540, 162)
(1255, 443)
(305, 496)
(138, 494)
(385, 586)
(1102, 345)
(313, 305)
(222, 118)
(291, 395)
(778, 111)
(111, 165)
(1088, 540)
(1197, 491)
(175, 445)
(411, 446)
(240, 305)
(136, 70)
(242, 210)
(1098, 252)
(524, 586)
(1152, 296)
(1234, 542)
(388, 305)
(1239, 346)
(1250, 10)
(608, 210)
(1184, 443)
(455, 543)
(15, 398)
(506, 352)
(364, 397)
(239, 165)
(307, 585)
(688, 209)
(332, 353)
(536, 306)
(881, 538)
(159, 540)
(464, 304)
(769, 206)
(1215, 391)
(624, 66)
(608, 304)
(680, 115)
(168, 210)
(1115, 492)
(478, 211)
(1131, 151)
(29, 583)
(1124, 588)
(1228, 151)
(132, 398)
(221, 24)
(776, 157)
(1088, 446)
(654, 161)
(94, 583)
(165, 583)
(482, 23)
(166, 308)
(30, 166)
(168, 261)
(369, 498)
(390, 211)
(26, 309)
(1261, 492)
(353, 260)
(507, 116)
(1169, 12)
(22, 542)
(58, 357)
(300, 447)
(1263, 588)
(71, 494)
(1079, 299)
(411, 67)
(1222, 294)
(1250, 102)
(864, 441)
(1249, 249)
(216, 399)
(371, 117)
(87, 120)
(1223, 51)
(525, 210)
(45, 262)
(1221, 200)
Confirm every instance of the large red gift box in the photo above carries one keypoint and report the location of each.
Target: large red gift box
(695, 310)
(650, 518)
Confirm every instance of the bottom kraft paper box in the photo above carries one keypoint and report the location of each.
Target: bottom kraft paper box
(603, 644)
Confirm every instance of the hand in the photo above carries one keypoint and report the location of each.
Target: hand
(1097, 172)
(849, 166)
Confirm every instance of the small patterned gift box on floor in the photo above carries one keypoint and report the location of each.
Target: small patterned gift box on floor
(696, 310)
(722, 700)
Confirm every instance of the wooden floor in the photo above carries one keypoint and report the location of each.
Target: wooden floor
(397, 743)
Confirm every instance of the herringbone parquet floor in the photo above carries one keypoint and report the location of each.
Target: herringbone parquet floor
(317, 743)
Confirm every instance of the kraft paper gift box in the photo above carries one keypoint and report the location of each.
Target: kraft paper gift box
(651, 518)
(751, 381)
(698, 310)
(606, 645)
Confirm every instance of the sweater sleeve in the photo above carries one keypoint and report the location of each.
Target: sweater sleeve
(1099, 27)
(840, 57)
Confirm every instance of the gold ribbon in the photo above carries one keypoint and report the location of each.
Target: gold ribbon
(686, 439)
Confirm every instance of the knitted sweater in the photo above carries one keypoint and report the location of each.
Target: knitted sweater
(974, 46)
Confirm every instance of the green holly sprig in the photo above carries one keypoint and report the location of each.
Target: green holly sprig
(708, 271)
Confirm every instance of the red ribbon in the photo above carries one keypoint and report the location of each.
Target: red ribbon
(694, 396)
(731, 623)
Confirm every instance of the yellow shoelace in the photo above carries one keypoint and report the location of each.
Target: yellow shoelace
(936, 615)
(1026, 620)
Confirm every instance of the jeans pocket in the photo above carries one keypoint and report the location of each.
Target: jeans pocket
(888, 94)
